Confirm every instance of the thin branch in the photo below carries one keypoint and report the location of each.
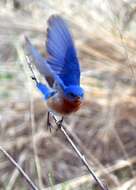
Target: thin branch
(32, 118)
(27, 178)
(81, 156)
(36, 157)
(15, 173)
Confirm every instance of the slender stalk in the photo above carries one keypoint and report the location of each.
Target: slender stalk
(81, 156)
(27, 178)
(31, 68)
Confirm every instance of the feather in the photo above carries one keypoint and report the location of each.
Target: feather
(42, 65)
(62, 54)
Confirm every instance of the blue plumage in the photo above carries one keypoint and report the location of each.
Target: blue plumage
(45, 90)
(43, 66)
(62, 54)
(61, 67)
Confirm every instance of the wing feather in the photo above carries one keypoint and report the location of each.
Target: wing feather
(62, 54)
(42, 65)
(62, 65)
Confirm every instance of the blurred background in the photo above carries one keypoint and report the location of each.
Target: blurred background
(104, 128)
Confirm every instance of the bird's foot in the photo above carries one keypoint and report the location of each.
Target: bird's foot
(59, 123)
(49, 124)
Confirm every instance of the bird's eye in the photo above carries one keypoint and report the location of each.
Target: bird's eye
(71, 94)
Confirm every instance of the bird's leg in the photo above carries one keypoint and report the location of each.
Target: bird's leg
(49, 125)
(59, 123)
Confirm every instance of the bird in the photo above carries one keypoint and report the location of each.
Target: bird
(60, 68)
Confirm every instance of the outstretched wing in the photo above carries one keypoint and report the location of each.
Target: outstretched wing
(42, 65)
(62, 54)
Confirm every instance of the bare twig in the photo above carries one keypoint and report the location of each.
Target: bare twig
(81, 156)
(30, 67)
(36, 157)
(27, 178)
(15, 173)
(32, 117)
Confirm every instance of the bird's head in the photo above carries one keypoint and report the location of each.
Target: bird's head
(73, 92)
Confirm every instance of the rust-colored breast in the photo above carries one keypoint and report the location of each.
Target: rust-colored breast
(64, 106)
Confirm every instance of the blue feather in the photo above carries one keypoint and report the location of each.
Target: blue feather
(62, 54)
(61, 66)
(45, 90)
(43, 66)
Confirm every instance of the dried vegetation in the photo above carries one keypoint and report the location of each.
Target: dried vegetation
(105, 127)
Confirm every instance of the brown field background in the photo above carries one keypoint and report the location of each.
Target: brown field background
(105, 127)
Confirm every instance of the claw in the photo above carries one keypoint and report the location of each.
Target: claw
(59, 123)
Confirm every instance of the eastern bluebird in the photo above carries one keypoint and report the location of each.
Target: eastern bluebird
(61, 69)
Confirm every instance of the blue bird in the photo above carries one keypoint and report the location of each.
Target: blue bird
(61, 69)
